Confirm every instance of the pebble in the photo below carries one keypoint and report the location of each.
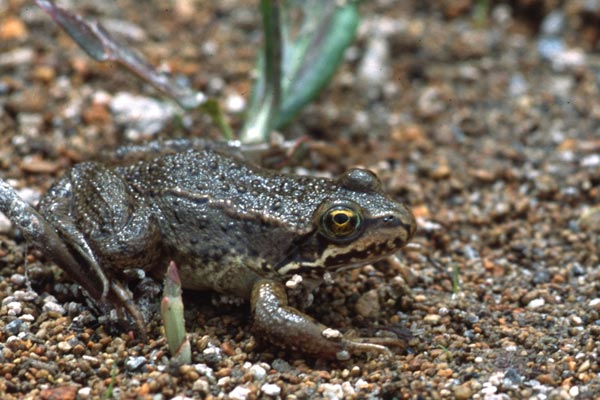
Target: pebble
(204, 370)
(234, 103)
(18, 279)
(433, 319)
(5, 224)
(12, 28)
(135, 363)
(374, 70)
(84, 393)
(64, 346)
(332, 391)
(368, 304)
(212, 354)
(142, 116)
(52, 307)
(201, 385)
(463, 392)
(16, 57)
(239, 393)
(14, 308)
(270, 389)
(258, 372)
(536, 303)
(14, 327)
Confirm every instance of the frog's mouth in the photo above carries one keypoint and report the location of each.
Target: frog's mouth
(335, 258)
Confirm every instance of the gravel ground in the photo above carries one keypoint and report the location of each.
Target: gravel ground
(488, 125)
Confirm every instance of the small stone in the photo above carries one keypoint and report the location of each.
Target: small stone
(235, 103)
(332, 391)
(12, 28)
(14, 327)
(584, 366)
(270, 389)
(433, 319)
(60, 392)
(135, 363)
(84, 393)
(201, 385)
(348, 390)
(463, 392)
(239, 393)
(44, 73)
(368, 304)
(331, 333)
(546, 379)
(19, 56)
(5, 224)
(142, 116)
(51, 307)
(281, 366)
(25, 295)
(18, 279)
(204, 370)
(14, 308)
(212, 354)
(65, 346)
(536, 303)
(96, 114)
(258, 372)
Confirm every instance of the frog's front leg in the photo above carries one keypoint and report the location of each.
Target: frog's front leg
(288, 327)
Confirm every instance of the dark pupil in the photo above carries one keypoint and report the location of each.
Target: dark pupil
(340, 218)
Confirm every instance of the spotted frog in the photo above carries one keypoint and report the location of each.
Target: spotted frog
(230, 227)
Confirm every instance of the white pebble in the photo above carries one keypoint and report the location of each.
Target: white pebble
(14, 308)
(5, 224)
(235, 103)
(536, 303)
(270, 389)
(239, 393)
(258, 372)
(53, 307)
(17, 279)
(348, 389)
(65, 347)
(84, 393)
(201, 385)
(27, 317)
(25, 295)
(330, 333)
(332, 391)
(204, 370)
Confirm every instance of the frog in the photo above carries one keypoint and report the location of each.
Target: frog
(230, 226)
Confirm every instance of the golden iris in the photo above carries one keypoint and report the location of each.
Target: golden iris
(340, 222)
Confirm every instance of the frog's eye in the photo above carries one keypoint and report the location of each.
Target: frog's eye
(340, 223)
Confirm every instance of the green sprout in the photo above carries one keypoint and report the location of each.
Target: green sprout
(171, 309)
(455, 279)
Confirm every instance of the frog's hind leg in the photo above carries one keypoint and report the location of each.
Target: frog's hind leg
(40, 232)
(107, 230)
(56, 207)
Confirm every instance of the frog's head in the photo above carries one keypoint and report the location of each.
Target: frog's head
(354, 225)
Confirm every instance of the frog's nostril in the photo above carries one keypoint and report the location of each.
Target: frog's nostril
(389, 219)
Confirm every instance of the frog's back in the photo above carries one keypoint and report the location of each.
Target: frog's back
(225, 220)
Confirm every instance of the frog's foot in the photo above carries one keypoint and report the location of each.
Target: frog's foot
(125, 299)
(287, 327)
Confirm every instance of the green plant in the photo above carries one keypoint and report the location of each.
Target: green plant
(171, 309)
(293, 69)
